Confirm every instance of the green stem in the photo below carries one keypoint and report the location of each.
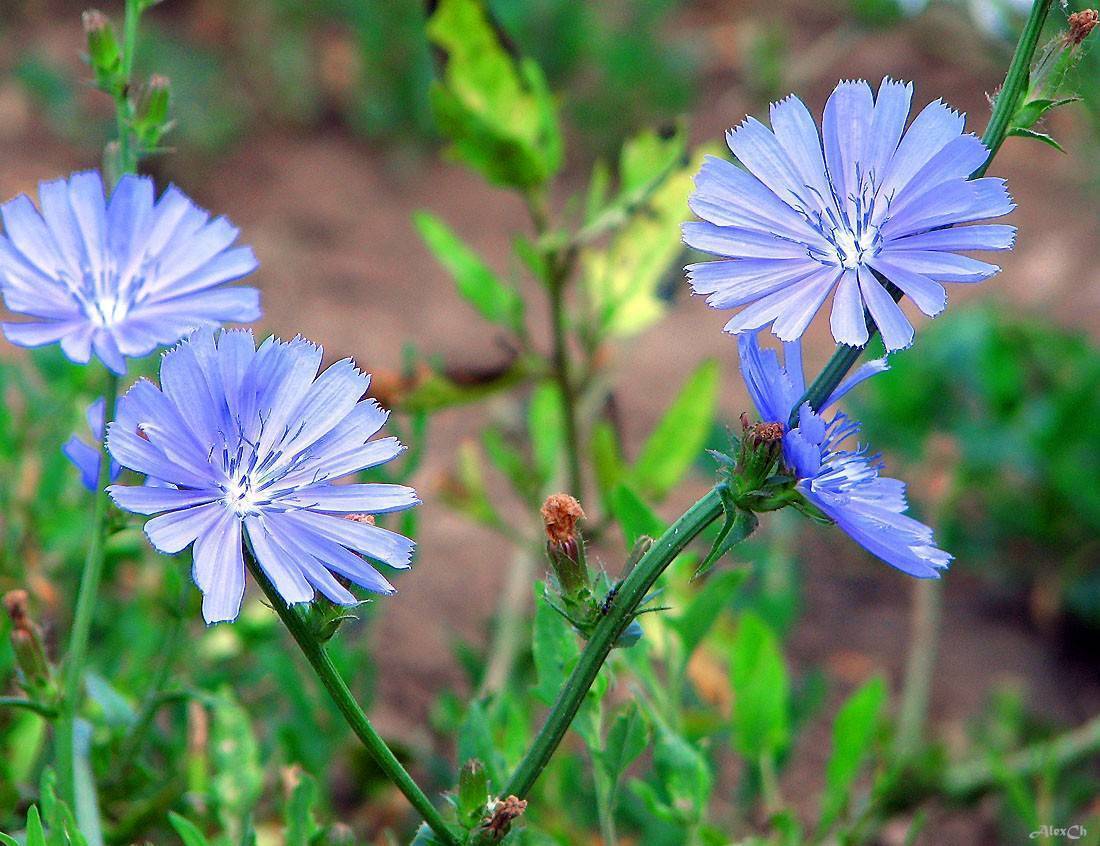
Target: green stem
(924, 639)
(563, 376)
(127, 153)
(631, 593)
(135, 739)
(40, 708)
(337, 688)
(966, 779)
(1016, 81)
(73, 677)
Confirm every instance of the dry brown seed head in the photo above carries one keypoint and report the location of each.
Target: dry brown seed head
(560, 513)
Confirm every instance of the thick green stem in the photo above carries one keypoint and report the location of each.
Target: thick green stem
(1016, 81)
(337, 688)
(630, 595)
(73, 678)
(920, 667)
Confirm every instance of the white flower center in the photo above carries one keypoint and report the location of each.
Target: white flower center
(854, 249)
(242, 498)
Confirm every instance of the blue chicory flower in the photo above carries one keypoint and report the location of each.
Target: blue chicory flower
(118, 278)
(252, 441)
(875, 202)
(86, 457)
(843, 483)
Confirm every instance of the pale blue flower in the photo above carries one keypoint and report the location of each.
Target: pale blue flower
(118, 278)
(843, 483)
(86, 457)
(252, 442)
(805, 220)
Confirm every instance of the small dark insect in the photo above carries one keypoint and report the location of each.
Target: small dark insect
(609, 600)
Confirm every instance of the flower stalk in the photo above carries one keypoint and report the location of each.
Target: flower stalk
(72, 683)
(342, 697)
(631, 593)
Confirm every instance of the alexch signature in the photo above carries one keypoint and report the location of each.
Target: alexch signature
(1071, 832)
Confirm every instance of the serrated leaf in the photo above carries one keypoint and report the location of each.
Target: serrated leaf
(494, 299)
(189, 832)
(758, 675)
(854, 731)
(499, 116)
(625, 278)
(678, 439)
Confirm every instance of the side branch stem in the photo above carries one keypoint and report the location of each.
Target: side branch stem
(630, 595)
(338, 690)
(73, 678)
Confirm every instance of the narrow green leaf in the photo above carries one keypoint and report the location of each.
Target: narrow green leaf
(8, 840)
(738, 525)
(238, 773)
(761, 721)
(476, 282)
(545, 425)
(634, 517)
(299, 814)
(189, 832)
(854, 731)
(607, 461)
(679, 437)
(36, 835)
(1036, 136)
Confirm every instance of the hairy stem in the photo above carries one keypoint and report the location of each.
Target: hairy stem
(73, 678)
(338, 690)
(630, 595)
(1004, 107)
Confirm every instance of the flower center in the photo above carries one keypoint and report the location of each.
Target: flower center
(854, 248)
(242, 498)
(849, 225)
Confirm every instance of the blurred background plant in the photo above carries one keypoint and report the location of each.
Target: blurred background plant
(760, 706)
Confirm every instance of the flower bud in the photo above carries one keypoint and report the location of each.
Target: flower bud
(26, 641)
(104, 54)
(473, 793)
(564, 545)
(151, 121)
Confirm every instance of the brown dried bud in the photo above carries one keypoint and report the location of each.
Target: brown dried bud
(560, 513)
(361, 518)
(1079, 26)
(94, 21)
(504, 812)
(767, 433)
(16, 603)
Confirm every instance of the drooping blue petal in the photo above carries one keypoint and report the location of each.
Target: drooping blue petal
(85, 457)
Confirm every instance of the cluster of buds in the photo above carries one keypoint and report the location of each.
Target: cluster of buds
(26, 640)
(579, 597)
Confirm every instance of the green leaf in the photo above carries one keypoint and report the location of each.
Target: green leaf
(469, 495)
(510, 462)
(626, 740)
(738, 525)
(545, 426)
(634, 517)
(679, 437)
(475, 740)
(499, 116)
(624, 279)
(684, 773)
(555, 648)
(607, 460)
(760, 690)
(36, 836)
(189, 832)
(1036, 136)
(238, 773)
(1032, 111)
(854, 731)
(299, 812)
(702, 612)
(493, 299)
(8, 840)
